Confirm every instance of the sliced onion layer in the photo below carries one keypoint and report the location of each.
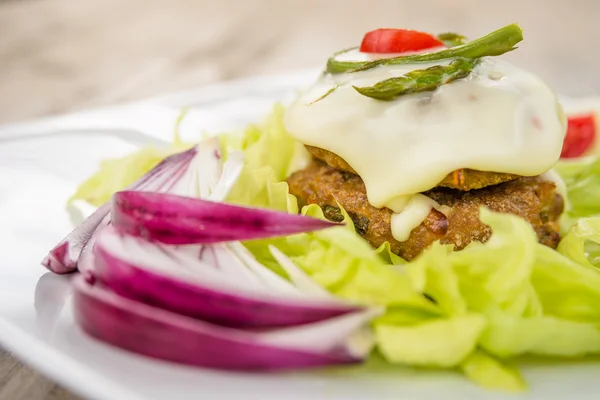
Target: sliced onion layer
(165, 335)
(194, 172)
(173, 219)
(225, 291)
(62, 259)
(164, 274)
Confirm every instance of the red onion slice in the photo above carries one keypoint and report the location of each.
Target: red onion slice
(195, 172)
(200, 175)
(267, 279)
(172, 219)
(229, 175)
(164, 335)
(165, 277)
(62, 259)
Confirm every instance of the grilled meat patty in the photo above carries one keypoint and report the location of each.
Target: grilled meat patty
(531, 198)
(461, 179)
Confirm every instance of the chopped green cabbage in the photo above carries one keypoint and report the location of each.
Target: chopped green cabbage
(474, 310)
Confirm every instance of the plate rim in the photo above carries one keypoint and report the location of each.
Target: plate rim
(80, 380)
(208, 93)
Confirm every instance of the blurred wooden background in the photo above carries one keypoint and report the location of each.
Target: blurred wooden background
(63, 55)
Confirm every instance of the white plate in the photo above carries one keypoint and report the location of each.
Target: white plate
(40, 165)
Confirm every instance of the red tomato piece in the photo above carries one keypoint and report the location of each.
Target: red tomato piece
(581, 132)
(397, 41)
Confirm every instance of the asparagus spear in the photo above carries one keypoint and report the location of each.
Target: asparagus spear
(494, 44)
(419, 80)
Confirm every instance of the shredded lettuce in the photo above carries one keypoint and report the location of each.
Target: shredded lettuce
(475, 310)
(441, 342)
(582, 177)
(509, 335)
(489, 372)
(269, 152)
(117, 173)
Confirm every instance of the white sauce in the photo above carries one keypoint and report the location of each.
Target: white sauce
(404, 221)
(500, 119)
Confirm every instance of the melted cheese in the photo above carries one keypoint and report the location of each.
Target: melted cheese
(501, 119)
(411, 216)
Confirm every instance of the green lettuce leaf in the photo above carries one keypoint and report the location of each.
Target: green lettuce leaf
(489, 372)
(566, 288)
(268, 145)
(118, 173)
(431, 274)
(534, 299)
(434, 343)
(582, 178)
(270, 154)
(582, 242)
(509, 336)
(259, 187)
(385, 252)
(482, 277)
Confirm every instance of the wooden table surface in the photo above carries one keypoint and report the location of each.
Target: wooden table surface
(58, 56)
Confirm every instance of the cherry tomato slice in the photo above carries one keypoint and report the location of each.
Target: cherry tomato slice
(581, 132)
(397, 41)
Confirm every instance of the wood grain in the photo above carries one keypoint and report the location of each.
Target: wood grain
(20, 382)
(63, 55)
